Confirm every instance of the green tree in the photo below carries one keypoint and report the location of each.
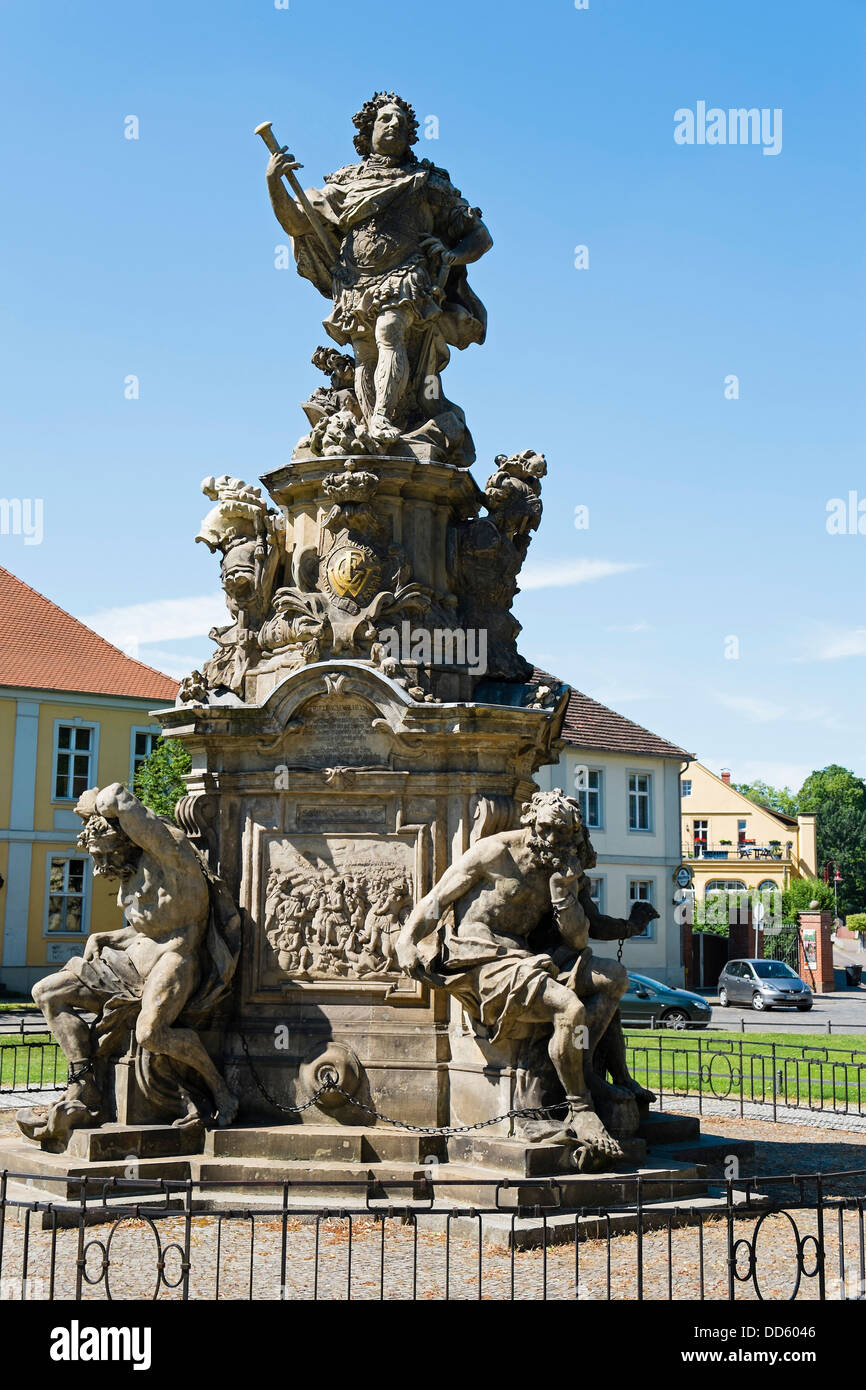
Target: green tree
(159, 780)
(781, 799)
(801, 892)
(838, 799)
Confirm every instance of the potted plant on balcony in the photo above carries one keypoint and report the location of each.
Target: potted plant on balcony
(776, 848)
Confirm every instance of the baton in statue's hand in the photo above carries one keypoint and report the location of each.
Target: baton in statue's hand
(264, 130)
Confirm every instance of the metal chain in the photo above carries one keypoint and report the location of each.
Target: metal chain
(538, 1113)
(272, 1100)
(619, 952)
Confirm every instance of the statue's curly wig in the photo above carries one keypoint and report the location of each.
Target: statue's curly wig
(365, 119)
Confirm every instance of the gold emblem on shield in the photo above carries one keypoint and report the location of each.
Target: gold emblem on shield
(353, 572)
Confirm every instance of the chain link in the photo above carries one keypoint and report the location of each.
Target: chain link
(537, 1113)
(272, 1100)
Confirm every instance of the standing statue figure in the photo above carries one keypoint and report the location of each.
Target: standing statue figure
(388, 240)
(165, 971)
(516, 952)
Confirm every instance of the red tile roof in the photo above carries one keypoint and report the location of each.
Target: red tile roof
(44, 648)
(588, 724)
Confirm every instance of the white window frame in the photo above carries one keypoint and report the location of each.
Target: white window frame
(66, 855)
(649, 794)
(686, 787)
(155, 729)
(602, 889)
(649, 934)
(93, 776)
(583, 795)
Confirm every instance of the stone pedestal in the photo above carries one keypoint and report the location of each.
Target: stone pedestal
(340, 780)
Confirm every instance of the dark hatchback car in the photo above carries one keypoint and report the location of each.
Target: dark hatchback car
(646, 1003)
(765, 984)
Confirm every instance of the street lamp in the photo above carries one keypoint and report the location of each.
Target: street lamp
(837, 879)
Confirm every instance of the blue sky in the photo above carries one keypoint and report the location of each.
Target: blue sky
(155, 257)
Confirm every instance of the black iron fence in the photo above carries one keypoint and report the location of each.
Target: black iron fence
(793, 1076)
(796, 1237)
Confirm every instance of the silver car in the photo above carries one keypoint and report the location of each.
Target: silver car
(765, 984)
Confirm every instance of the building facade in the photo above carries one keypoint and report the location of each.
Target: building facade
(627, 780)
(731, 843)
(74, 713)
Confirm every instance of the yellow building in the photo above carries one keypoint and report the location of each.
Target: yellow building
(732, 843)
(74, 713)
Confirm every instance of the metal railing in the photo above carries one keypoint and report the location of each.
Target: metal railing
(700, 849)
(789, 1076)
(798, 1237)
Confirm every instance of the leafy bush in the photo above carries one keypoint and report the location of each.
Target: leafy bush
(856, 921)
(801, 892)
(159, 780)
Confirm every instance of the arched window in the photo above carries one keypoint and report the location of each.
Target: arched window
(767, 885)
(725, 885)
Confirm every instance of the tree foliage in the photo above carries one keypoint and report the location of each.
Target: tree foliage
(781, 799)
(159, 780)
(838, 799)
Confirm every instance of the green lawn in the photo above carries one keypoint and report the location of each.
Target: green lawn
(718, 1065)
(36, 1061)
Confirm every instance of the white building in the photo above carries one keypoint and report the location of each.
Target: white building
(628, 782)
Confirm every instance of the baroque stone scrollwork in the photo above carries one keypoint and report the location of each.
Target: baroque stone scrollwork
(250, 536)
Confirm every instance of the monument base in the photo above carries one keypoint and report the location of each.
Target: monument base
(162, 1167)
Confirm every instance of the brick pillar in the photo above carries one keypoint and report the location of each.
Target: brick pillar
(688, 954)
(741, 939)
(816, 951)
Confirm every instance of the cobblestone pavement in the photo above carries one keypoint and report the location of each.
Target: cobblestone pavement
(240, 1257)
(785, 1114)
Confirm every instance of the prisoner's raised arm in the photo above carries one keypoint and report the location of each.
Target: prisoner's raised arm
(141, 825)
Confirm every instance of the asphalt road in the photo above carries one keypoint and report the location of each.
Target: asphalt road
(843, 1011)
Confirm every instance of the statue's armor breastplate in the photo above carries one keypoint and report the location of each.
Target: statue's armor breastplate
(384, 241)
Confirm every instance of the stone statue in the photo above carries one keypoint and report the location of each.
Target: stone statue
(250, 536)
(516, 952)
(164, 971)
(388, 240)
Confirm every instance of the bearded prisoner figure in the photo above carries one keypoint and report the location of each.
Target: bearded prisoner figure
(389, 241)
(516, 953)
(162, 973)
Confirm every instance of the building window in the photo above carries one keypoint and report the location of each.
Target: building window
(73, 760)
(639, 794)
(686, 787)
(700, 832)
(596, 892)
(589, 797)
(742, 831)
(642, 890)
(768, 885)
(67, 880)
(143, 743)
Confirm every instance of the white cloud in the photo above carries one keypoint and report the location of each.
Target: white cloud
(559, 574)
(163, 620)
(753, 707)
(843, 644)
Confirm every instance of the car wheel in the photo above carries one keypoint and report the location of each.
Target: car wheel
(758, 1001)
(675, 1018)
(803, 1008)
(723, 998)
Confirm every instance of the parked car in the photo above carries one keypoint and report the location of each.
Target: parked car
(765, 984)
(647, 1002)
